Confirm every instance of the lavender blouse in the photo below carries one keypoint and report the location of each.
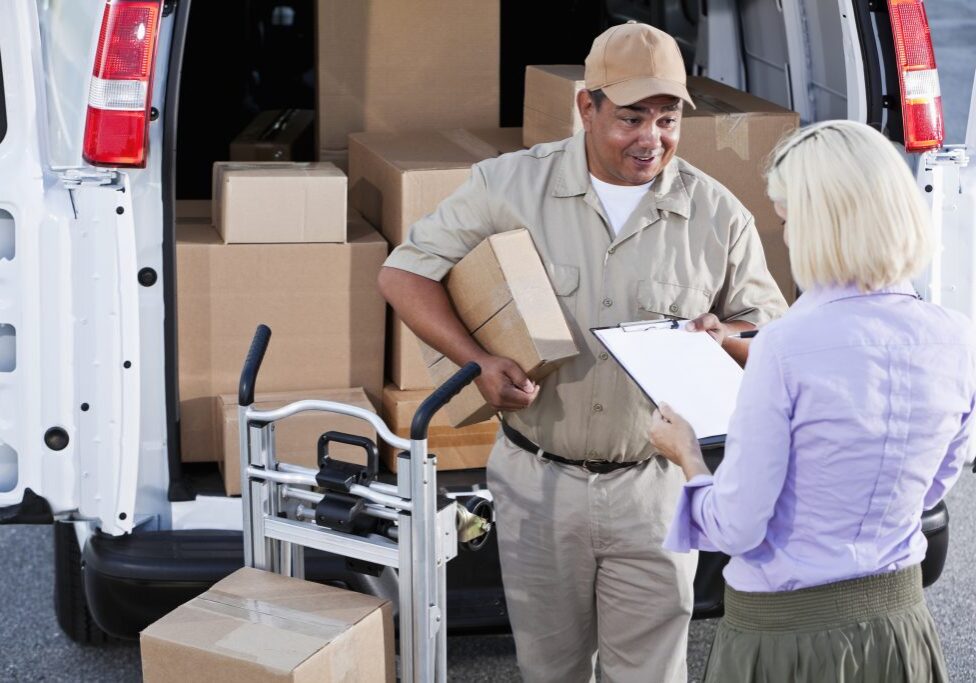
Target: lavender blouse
(854, 415)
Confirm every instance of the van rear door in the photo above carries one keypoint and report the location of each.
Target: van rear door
(75, 357)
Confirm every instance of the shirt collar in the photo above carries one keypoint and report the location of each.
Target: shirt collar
(573, 180)
(819, 296)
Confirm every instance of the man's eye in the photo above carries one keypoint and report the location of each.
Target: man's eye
(631, 121)
(670, 122)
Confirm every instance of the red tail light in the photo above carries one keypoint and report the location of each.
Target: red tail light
(116, 129)
(921, 96)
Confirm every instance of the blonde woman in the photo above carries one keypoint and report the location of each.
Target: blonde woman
(854, 415)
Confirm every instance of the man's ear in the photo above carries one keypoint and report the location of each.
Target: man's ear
(587, 108)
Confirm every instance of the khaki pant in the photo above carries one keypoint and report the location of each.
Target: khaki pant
(584, 570)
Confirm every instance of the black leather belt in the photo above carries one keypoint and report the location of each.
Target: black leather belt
(594, 466)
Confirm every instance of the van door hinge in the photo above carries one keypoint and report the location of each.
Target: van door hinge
(74, 178)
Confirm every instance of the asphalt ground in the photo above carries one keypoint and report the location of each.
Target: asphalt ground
(33, 648)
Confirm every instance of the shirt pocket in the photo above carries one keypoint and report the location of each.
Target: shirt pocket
(565, 282)
(658, 300)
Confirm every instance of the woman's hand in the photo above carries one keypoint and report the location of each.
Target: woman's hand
(675, 439)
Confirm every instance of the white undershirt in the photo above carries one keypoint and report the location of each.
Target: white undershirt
(619, 201)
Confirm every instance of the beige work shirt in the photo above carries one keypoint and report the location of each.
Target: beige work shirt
(690, 247)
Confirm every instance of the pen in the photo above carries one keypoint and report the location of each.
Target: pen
(748, 334)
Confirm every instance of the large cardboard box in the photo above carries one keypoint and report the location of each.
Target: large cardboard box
(457, 448)
(276, 135)
(257, 203)
(395, 179)
(729, 136)
(257, 626)
(549, 109)
(502, 294)
(321, 301)
(296, 437)
(387, 65)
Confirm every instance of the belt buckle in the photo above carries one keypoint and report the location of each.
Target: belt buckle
(589, 464)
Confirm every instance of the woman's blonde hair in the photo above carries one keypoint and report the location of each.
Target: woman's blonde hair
(854, 212)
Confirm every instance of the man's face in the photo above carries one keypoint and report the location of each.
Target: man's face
(630, 145)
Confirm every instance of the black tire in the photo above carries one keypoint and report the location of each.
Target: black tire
(70, 604)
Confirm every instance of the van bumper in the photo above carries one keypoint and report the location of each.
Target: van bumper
(133, 580)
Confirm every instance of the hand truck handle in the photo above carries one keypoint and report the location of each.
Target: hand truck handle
(440, 397)
(367, 444)
(249, 373)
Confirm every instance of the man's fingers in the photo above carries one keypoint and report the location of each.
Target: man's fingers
(667, 412)
(709, 321)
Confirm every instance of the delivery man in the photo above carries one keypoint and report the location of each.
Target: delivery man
(627, 231)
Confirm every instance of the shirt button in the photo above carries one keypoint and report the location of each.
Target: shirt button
(608, 302)
(591, 454)
(673, 308)
(603, 355)
(611, 250)
(597, 407)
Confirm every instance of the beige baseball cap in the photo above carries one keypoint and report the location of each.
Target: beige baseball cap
(633, 61)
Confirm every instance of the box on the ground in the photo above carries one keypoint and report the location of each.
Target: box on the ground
(393, 66)
(729, 136)
(549, 111)
(258, 626)
(321, 301)
(296, 437)
(261, 203)
(395, 179)
(457, 448)
(502, 294)
(276, 135)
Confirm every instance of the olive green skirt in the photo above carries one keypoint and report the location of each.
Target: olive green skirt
(867, 630)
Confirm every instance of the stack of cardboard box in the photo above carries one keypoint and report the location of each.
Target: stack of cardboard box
(394, 180)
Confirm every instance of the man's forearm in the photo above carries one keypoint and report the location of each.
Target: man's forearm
(424, 306)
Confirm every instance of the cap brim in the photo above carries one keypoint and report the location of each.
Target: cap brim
(627, 92)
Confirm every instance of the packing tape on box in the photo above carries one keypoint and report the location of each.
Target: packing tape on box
(731, 130)
(267, 614)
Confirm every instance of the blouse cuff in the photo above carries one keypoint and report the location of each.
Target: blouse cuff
(684, 535)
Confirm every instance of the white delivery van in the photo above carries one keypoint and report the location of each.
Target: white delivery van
(98, 135)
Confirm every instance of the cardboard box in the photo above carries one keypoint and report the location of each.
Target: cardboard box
(257, 203)
(456, 448)
(277, 135)
(296, 438)
(502, 294)
(549, 109)
(395, 179)
(728, 136)
(384, 65)
(321, 301)
(257, 626)
(406, 366)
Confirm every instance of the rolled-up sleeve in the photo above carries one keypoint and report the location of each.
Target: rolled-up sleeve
(749, 292)
(730, 512)
(442, 238)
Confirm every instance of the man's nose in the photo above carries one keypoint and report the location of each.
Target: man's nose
(650, 136)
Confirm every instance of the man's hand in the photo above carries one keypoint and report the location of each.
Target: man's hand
(720, 332)
(675, 439)
(710, 323)
(504, 385)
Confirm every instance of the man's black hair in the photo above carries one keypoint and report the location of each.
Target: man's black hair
(597, 96)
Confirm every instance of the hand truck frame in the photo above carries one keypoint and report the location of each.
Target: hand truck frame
(426, 534)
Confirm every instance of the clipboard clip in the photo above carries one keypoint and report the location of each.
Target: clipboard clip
(646, 325)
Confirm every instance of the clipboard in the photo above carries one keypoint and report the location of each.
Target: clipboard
(687, 370)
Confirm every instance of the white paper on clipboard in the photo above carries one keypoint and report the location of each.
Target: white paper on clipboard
(686, 370)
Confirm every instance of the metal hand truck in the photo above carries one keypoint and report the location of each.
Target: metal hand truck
(407, 526)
